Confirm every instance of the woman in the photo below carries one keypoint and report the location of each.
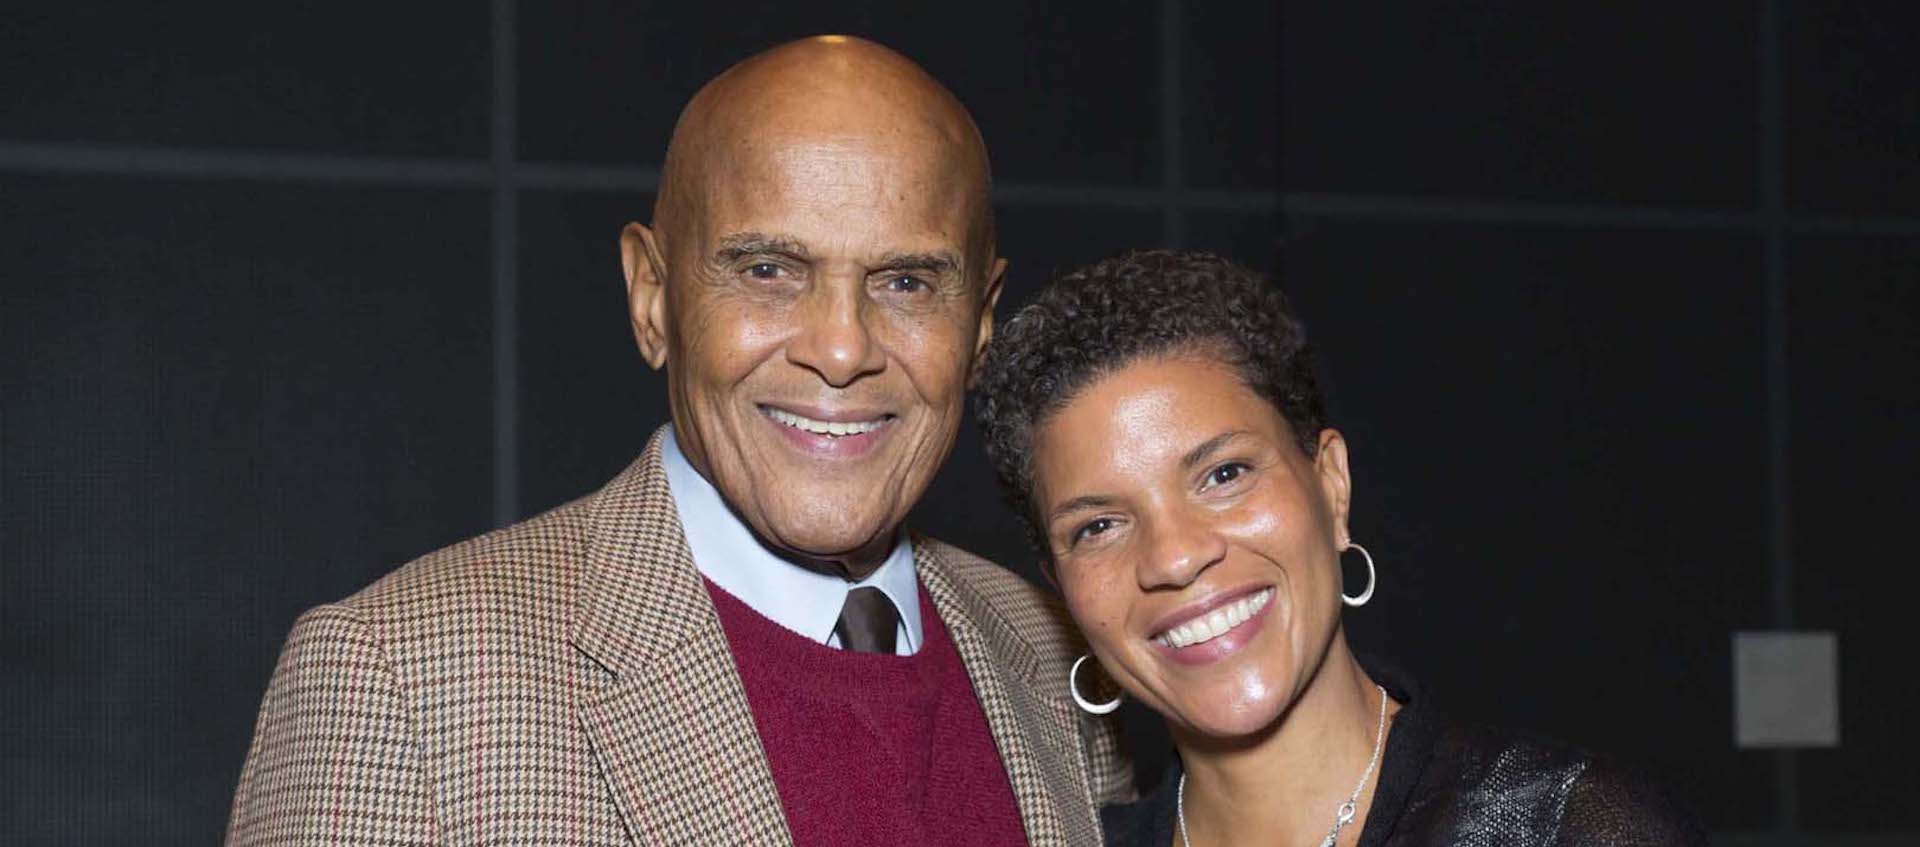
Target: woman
(1156, 418)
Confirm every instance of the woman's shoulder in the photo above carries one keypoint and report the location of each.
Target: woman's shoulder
(1559, 789)
(1614, 804)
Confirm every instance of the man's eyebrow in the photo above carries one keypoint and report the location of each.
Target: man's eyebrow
(939, 262)
(743, 244)
(1085, 501)
(1207, 448)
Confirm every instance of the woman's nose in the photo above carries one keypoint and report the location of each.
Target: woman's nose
(1181, 547)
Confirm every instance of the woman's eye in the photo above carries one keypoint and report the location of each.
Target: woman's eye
(1092, 528)
(1226, 473)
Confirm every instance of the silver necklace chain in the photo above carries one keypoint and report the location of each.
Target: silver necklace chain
(1341, 816)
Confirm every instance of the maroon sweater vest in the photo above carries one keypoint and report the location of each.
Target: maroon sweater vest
(869, 748)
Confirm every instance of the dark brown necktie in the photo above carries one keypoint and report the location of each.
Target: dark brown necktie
(867, 622)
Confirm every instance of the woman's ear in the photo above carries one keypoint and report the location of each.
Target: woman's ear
(646, 292)
(1330, 464)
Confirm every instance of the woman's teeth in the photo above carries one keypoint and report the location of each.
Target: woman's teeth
(1216, 623)
(824, 427)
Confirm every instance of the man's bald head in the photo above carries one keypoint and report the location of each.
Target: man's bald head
(818, 283)
(828, 89)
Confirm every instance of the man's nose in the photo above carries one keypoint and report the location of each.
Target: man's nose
(835, 338)
(1180, 547)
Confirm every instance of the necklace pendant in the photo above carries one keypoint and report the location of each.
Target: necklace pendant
(1328, 841)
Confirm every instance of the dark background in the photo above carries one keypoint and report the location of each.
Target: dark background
(1618, 308)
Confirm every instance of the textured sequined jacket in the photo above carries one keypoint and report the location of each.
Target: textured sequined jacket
(1443, 783)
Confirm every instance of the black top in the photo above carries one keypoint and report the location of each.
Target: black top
(1449, 784)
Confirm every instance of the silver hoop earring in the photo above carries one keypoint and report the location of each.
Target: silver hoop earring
(1073, 687)
(1371, 578)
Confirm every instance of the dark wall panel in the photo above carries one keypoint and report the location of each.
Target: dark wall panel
(1855, 351)
(339, 77)
(588, 401)
(1229, 95)
(1061, 95)
(1040, 242)
(1558, 470)
(1250, 238)
(1853, 107)
(1636, 102)
(217, 412)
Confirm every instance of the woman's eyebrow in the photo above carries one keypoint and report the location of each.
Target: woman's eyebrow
(1084, 501)
(1207, 448)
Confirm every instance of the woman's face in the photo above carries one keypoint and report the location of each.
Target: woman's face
(1196, 543)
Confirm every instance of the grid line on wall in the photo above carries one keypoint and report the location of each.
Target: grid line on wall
(506, 283)
(109, 160)
(1770, 180)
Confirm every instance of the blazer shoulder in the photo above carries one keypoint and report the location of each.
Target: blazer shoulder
(335, 744)
(1037, 619)
(979, 570)
(530, 566)
(1029, 609)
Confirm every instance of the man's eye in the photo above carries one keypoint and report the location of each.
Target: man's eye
(905, 284)
(1226, 473)
(1092, 528)
(763, 270)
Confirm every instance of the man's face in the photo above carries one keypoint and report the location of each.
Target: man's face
(822, 314)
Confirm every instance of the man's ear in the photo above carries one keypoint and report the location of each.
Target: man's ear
(995, 277)
(1336, 484)
(646, 292)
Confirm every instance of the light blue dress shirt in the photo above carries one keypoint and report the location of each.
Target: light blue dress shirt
(804, 601)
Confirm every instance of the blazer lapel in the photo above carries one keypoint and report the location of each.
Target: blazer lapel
(668, 718)
(1035, 727)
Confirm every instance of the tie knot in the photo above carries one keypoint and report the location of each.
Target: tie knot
(868, 621)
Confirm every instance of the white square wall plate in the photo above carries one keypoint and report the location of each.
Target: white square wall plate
(1786, 689)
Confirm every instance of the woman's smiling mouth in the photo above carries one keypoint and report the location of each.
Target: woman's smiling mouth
(1212, 625)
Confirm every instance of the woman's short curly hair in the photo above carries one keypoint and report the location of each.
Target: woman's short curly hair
(1098, 319)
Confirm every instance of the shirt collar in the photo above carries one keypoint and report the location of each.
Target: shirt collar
(804, 601)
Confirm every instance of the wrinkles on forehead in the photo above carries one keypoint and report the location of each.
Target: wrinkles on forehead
(823, 102)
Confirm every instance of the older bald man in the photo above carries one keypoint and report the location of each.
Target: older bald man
(734, 641)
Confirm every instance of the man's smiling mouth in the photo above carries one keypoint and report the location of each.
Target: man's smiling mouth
(836, 429)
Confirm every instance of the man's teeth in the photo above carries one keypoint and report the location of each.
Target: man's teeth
(1216, 623)
(824, 427)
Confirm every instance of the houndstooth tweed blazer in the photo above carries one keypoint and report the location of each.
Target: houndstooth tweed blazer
(566, 681)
